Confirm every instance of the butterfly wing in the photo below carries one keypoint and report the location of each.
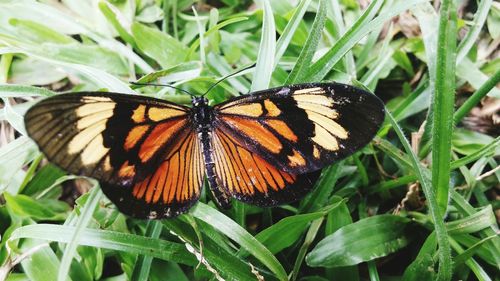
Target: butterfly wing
(131, 144)
(170, 190)
(248, 177)
(302, 128)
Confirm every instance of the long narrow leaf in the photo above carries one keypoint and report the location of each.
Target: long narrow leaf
(304, 61)
(234, 231)
(267, 49)
(443, 104)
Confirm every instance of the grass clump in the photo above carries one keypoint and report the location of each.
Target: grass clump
(418, 203)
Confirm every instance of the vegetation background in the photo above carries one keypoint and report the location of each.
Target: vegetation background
(419, 203)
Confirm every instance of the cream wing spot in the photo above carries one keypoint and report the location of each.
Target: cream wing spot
(92, 108)
(316, 152)
(330, 125)
(94, 152)
(321, 109)
(107, 164)
(80, 141)
(317, 90)
(296, 159)
(96, 99)
(92, 119)
(323, 138)
(315, 99)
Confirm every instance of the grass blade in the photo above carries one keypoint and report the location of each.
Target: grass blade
(143, 263)
(474, 30)
(267, 50)
(476, 97)
(234, 231)
(297, 75)
(443, 104)
(113, 240)
(320, 68)
(444, 253)
(290, 29)
(82, 223)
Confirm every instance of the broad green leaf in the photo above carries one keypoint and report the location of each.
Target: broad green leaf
(364, 240)
(41, 13)
(422, 268)
(42, 265)
(473, 223)
(163, 48)
(30, 71)
(35, 32)
(43, 179)
(25, 206)
(467, 142)
(288, 230)
(123, 28)
(338, 218)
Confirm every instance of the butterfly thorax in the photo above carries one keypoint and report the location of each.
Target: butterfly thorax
(202, 114)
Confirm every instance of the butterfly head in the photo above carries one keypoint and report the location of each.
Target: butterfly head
(199, 101)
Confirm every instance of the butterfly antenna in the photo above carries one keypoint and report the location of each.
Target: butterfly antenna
(228, 76)
(161, 85)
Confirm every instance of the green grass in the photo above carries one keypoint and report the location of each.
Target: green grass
(400, 209)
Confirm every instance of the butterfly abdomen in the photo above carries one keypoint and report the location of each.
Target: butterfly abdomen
(203, 117)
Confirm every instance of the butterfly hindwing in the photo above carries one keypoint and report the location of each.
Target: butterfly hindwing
(246, 176)
(171, 189)
(302, 128)
(122, 141)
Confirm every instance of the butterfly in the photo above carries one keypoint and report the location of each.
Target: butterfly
(152, 156)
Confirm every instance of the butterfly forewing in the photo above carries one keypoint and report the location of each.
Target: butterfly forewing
(123, 141)
(302, 128)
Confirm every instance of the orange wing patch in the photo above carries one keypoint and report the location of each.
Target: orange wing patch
(272, 109)
(158, 114)
(133, 137)
(178, 179)
(255, 131)
(296, 159)
(251, 109)
(160, 135)
(139, 114)
(282, 128)
(245, 173)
